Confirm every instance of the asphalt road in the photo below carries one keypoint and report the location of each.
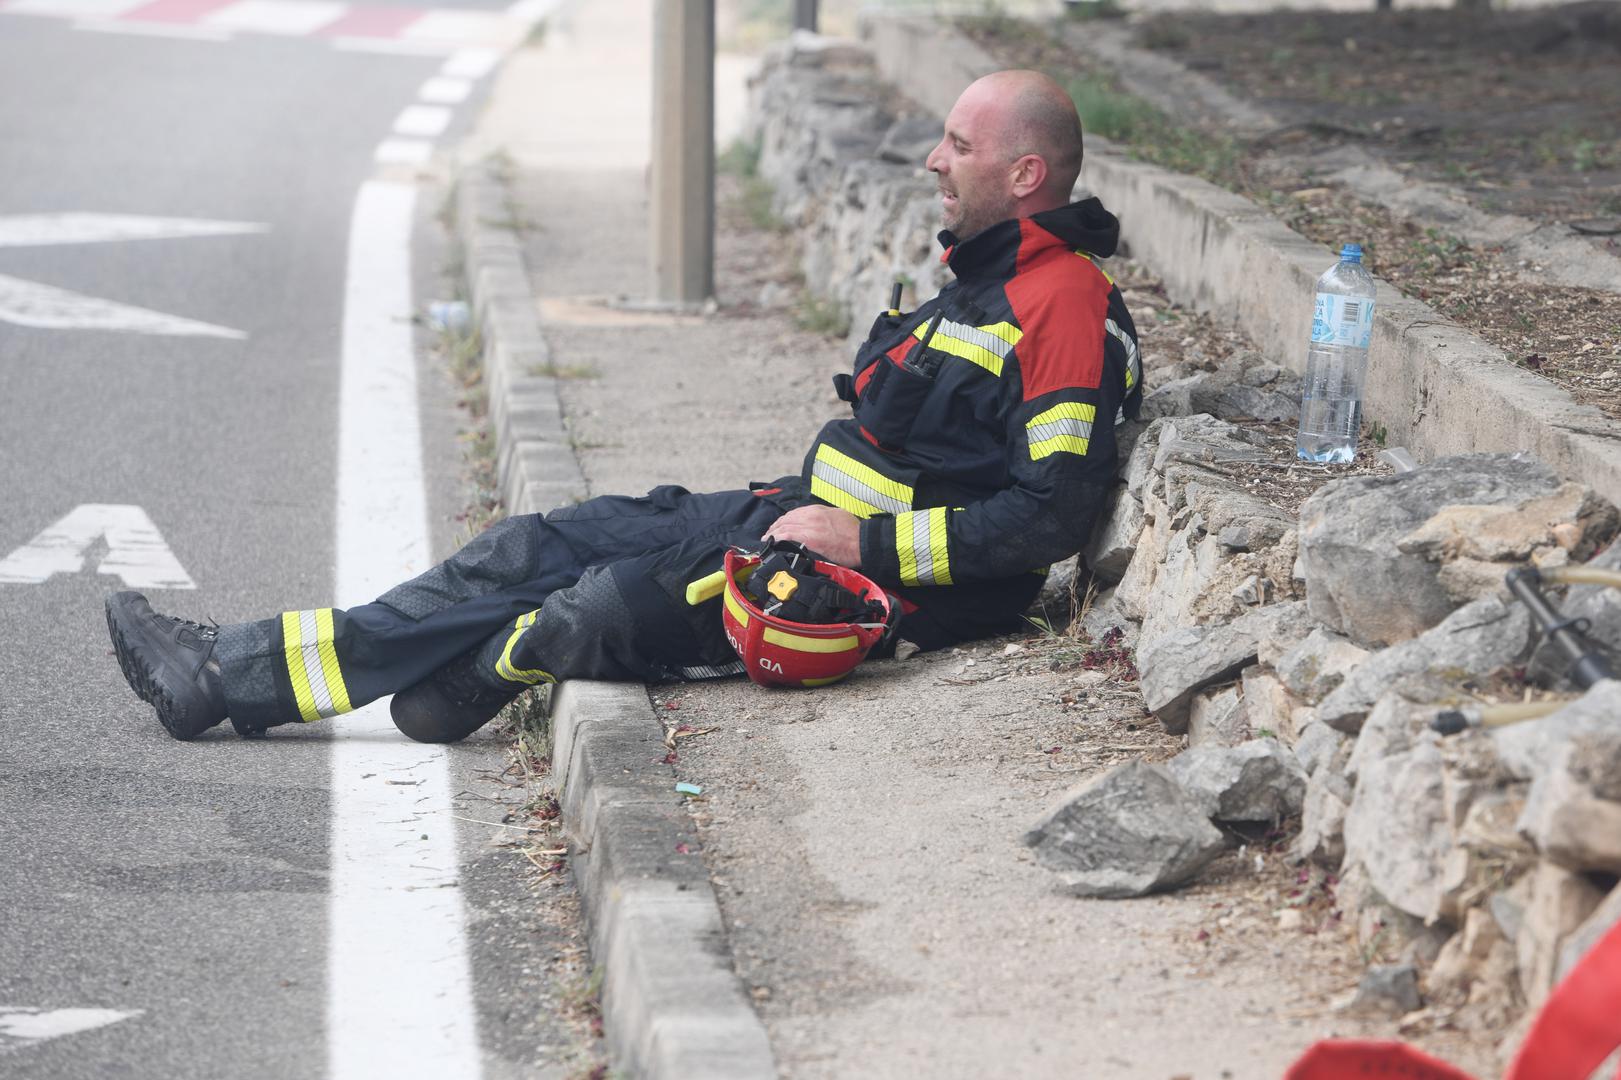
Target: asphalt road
(185, 884)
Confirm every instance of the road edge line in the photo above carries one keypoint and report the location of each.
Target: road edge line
(672, 1005)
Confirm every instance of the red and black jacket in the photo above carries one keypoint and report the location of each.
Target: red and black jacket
(986, 451)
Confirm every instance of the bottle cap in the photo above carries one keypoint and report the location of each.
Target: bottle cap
(1351, 253)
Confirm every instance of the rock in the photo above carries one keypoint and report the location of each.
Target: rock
(1463, 959)
(1253, 591)
(1317, 746)
(1217, 719)
(1388, 988)
(1177, 665)
(1129, 832)
(1584, 937)
(1114, 541)
(1360, 581)
(1239, 401)
(1469, 643)
(1526, 749)
(1572, 814)
(1322, 818)
(1560, 902)
(1319, 664)
(909, 140)
(1255, 781)
(1267, 708)
(1396, 829)
(1235, 538)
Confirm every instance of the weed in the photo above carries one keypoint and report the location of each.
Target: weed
(819, 316)
(1377, 433)
(553, 369)
(1087, 10)
(1148, 133)
(741, 159)
(1165, 34)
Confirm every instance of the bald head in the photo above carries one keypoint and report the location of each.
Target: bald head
(1012, 148)
(1040, 119)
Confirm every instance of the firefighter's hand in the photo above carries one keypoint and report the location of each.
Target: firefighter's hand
(832, 533)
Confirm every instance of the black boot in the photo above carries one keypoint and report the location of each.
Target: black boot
(168, 663)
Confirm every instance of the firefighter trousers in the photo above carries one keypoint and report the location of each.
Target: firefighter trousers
(595, 590)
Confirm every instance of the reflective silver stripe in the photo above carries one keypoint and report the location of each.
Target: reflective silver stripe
(920, 548)
(310, 657)
(1134, 362)
(1064, 425)
(826, 472)
(715, 671)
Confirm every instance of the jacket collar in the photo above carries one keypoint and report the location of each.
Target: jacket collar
(1004, 248)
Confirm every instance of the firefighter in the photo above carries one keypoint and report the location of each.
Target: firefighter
(977, 451)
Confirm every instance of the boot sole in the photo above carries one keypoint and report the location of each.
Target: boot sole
(148, 686)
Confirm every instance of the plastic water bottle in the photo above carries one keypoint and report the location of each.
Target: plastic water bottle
(1341, 329)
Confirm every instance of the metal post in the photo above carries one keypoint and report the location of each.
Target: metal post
(805, 15)
(683, 167)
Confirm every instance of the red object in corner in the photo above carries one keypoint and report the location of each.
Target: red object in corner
(1577, 1029)
(1354, 1059)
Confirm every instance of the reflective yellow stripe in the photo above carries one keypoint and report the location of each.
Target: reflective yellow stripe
(800, 643)
(1093, 259)
(1065, 427)
(988, 346)
(328, 653)
(920, 542)
(503, 666)
(840, 479)
(739, 612)
(293, 645)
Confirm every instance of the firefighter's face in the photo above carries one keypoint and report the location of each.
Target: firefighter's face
(974, 173)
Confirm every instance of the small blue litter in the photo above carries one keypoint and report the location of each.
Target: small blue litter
(689, 789)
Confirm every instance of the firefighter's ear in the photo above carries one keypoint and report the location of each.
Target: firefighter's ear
(1029, 175)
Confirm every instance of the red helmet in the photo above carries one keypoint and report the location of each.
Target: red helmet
(851, 614)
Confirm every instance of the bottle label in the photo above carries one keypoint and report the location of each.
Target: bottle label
(1342, 320)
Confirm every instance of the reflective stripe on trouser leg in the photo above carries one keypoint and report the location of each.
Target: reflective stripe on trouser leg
(312, 664)
(504, 666)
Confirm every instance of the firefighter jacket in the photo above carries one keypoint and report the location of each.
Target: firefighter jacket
(982, 441)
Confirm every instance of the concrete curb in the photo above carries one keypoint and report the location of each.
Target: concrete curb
(672, 1005)
(1438, 388)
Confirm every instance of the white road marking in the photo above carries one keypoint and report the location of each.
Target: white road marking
(466, 26)
(532, 11)
(394, 46)
(71, 9)
(296, 17)
(45, 307)
(470, 63)
(21, 1026)
(399, 994)
(425, 121)
(135, 550)
(441, 90)
(403, 152)
(41, 230)
(181, 31)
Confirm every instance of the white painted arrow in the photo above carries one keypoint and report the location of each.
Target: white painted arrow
(45, 307)
(28, 303)
(21, 1026)
(40, 230)
(135, 550)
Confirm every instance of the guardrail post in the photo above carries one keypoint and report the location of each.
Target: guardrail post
(683, 158)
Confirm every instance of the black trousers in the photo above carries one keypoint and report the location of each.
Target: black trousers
(596, 590)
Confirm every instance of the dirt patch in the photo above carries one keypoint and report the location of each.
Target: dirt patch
(1514, 111)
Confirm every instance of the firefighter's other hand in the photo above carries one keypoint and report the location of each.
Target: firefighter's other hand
(832, 533)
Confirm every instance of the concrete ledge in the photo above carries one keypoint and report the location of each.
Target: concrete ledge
(1438, 388)
(672, 1006)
